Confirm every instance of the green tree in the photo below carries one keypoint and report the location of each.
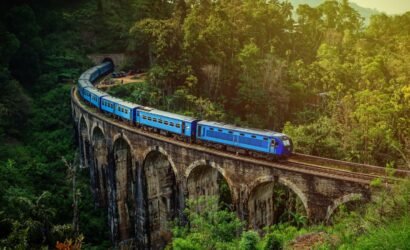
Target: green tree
(208, 228)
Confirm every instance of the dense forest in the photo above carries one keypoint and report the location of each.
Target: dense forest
(338, 86)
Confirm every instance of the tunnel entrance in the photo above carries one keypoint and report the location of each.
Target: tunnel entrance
(107, 59)
(272, 203)
(160, 198)
(204, 180)
(123, 186)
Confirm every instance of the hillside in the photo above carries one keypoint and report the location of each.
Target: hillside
(364, 12)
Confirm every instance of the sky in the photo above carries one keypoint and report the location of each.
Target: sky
(387, 6)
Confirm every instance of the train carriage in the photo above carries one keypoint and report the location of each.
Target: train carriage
(93, 96)
(108, 104)
(166, 121)
(120, 108)
(263, 141)
(126, 110)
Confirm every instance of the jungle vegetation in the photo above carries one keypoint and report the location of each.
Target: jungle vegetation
(339, 87)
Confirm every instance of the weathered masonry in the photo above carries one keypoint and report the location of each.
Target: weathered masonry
(143, 180)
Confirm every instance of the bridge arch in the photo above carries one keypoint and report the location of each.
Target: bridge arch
(84, 141)
(124, 137)
(158, 177)
(96, 133)
(204, 162)
(83, 127)
(124, 198)
(98, 173)
(162, 151)
(262, 200)
(207, 178)
(341, 200)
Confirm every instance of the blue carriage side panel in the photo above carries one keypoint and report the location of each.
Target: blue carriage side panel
(215, 134)
(108, 104)
(125, 110)
(87, 94)
(95, 97)
(177, 124)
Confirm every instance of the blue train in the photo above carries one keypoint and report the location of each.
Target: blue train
(254, 142)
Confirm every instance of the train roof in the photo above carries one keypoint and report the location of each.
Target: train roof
(121, 102)
(85, 76)
(170, 115)
(97, 92)
(262, 132)
(84, 83)
(103, 64)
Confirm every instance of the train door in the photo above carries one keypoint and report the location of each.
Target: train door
(199, 131)
(183, 128)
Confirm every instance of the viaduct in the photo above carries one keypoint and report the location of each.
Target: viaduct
(143, 179)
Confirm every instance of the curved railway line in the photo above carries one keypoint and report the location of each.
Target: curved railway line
(307, 164)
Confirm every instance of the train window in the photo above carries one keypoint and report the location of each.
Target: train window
(154, 119)
(253, 136)
(242, 134)
(211, 128)
(144, 117)
(178, 125)
(160, 121)
(220, 130)
(230, 132)
(171, 124)
(265, 138)
(126, 111)
(149, 118)
(165, 122)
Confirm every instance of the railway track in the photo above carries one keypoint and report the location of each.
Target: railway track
(352, 167)
(340, 173)
(298, 162)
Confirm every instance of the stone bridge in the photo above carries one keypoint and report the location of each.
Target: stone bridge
(144, 179)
